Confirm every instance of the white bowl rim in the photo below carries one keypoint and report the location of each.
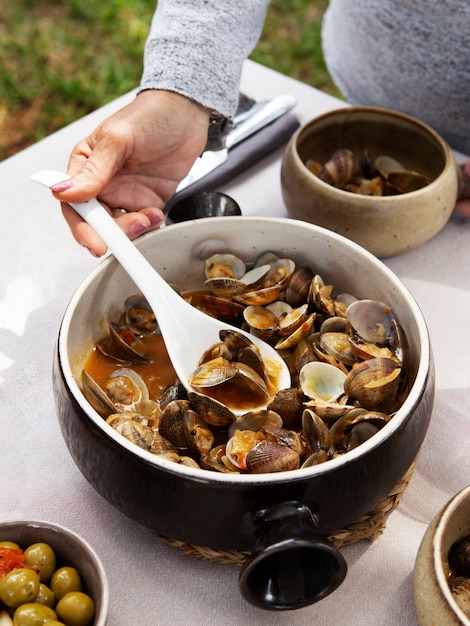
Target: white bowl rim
(206, 476)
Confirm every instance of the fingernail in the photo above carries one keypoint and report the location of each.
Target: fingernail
(137, 228)
(155, 219)
(92, 253)
(62, 186)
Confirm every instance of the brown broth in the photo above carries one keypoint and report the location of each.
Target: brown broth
(157, 372)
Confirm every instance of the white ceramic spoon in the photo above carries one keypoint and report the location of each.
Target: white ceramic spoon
(187, 332)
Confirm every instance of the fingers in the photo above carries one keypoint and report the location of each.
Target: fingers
(133, 225)
(463, 207)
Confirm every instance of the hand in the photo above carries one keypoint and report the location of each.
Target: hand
(463, 205)
(133, 163)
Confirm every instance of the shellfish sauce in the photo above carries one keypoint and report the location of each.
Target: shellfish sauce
(157, 371)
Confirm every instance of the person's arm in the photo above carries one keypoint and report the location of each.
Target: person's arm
(197, 48)
(135, 159)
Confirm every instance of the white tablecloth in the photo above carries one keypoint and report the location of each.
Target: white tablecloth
(150, 582)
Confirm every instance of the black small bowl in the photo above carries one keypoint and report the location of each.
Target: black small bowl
(202, 204)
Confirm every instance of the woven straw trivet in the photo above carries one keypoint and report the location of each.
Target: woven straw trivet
(369, 527)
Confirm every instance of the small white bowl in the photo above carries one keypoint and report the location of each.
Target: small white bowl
(433, 599)
(70, 549)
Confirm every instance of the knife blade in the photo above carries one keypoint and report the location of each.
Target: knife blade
(262, 115)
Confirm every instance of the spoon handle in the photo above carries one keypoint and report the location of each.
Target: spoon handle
(137, 266)
(162, 298)
(187, 331)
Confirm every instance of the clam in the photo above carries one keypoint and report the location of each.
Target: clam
(459, 557)
(215, 306)
(460, 589)
(280, 435)
(406, 180)
(128, 391)
(261, 296)
(268, 456)
(374, 383)
(315, 430)
(279, 271)
(173, 391)
(321, 381)
(330, 411)
(320, 295)
(227, 276)
(212, 373)
(199, 437)
(138, 315)
(371, 320)
(240, 444)
(96, 396)
(340, 168)
(299, 285)
(172, 423)
(122, 344)
(315, 459)
(288, 404)
(251, 356)
(335, 323)
(255, 420)
(224, 265)
(213, 412)
(263, 322)
(292, 320)
(133, 430)
(300, 332)
(218, 350)
(359, 433)
(185, 429)
(337, 344)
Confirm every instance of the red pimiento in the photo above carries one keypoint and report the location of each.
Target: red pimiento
(11, 558)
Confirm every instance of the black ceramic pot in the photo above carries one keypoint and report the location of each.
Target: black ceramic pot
(282, 518)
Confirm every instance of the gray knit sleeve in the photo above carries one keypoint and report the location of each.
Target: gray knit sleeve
(197, 48)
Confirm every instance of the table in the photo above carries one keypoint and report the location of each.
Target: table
(152, 583)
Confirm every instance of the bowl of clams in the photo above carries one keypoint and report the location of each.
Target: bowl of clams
(442, 571)
(379, 177)
(48, 573)
(234, 460)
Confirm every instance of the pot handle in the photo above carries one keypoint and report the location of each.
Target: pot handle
(291, 565)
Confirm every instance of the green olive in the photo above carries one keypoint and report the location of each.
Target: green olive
(45, 596)
(76, 609)
(54, 622)
(32, 614)
(64, 580)
(42, 556)
(19, 586)
(9, 544)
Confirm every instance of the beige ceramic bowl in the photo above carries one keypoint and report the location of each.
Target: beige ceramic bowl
(386, 225)
(433, 599)
(70, 549)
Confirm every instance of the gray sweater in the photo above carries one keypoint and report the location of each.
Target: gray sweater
(409, 55)
(197, 48)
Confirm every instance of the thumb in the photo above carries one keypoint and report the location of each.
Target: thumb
(89, 175)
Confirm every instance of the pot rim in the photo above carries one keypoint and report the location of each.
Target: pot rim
(206, 476)
(449, 161)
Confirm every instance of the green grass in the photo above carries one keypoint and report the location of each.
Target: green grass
(61, 59)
